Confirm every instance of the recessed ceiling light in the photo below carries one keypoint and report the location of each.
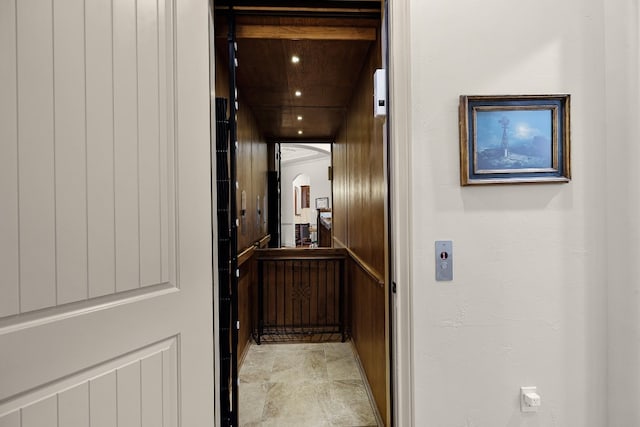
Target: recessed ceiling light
(298, 93)
(295, 59)
(299, 132)
(299, 118)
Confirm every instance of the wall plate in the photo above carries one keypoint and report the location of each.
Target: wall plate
(444, 260)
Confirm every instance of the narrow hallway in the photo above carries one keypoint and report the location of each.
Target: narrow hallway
(308, 384)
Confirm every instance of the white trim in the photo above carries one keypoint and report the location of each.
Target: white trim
(401, 237)
(58, 313)
(214, 219)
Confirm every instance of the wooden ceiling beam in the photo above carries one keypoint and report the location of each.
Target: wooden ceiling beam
(283, 11)
(300, 32)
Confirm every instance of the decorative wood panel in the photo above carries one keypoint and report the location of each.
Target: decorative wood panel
(300, 292)
(367, 313)
(252, 162)
(137, 390)
(245, 305)
(358, 179)
(358, 224)
(87, 154)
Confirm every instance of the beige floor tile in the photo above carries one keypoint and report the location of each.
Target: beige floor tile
(337, 350)
(257, 367)
(309, 384)
(345, 368)
(308, 399)
(252, 399)
(293, 367)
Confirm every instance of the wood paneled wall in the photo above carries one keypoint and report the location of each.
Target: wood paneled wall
(86, 150)
(358, 224)
(367, 312)
(246, 301)
(252, 166)
(358, 181)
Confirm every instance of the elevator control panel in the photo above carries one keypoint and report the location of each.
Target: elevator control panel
(444, 260)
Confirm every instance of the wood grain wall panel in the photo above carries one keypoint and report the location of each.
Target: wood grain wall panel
(73, 407)
(41, 414)
(358, 184)
(245, 305)
(148, 142)
(358, 223)
(100, 149)
(366, 166)
(125, 69)
(10, 420)
(340, 205)
(36, 155)
(252, 164)
(9, 247)
(244, 177)
(259, 168)
(103, 401)
(70, 150)
(367, 311)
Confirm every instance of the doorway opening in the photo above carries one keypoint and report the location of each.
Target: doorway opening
(306, 199)
(296, 74)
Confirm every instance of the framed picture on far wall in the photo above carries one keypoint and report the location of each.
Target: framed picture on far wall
(296, 203)
(514, 139)
(322, 203)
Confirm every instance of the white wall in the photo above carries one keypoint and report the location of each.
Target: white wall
(528, 302)
(623, 210)
(320, 187)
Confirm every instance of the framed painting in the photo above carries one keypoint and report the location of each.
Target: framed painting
(322, 203)
(514, 139)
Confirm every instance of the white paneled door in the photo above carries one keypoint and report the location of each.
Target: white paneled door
(105, 214)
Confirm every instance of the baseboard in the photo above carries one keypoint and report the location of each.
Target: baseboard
(363, 374)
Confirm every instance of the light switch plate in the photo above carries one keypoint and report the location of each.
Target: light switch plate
(444, 260)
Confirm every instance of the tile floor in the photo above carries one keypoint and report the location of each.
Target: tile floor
(303, 385)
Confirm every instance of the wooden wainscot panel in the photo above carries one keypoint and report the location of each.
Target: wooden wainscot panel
(247, 294)
(294, 253)
(246, 264)
(367, 313)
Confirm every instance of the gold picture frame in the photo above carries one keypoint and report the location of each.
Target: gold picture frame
(514, 139)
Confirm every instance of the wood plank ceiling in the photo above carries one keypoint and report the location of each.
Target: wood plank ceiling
(331, 39)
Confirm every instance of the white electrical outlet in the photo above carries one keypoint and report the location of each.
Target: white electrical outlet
(529, 399)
